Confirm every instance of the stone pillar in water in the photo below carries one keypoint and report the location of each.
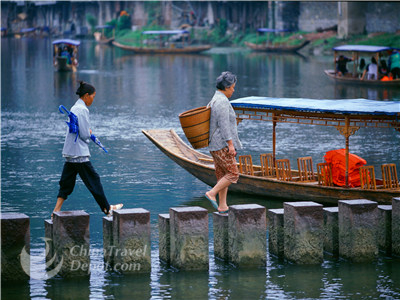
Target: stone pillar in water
(304, 229)
(276, 232)
(221, 236)
(331, 230)
(189, 238)
(164, 244)
(385, 228)
(247, 235)
(131, 237)
(108, 243)
(71, 241)
(358, 228)
(396, 226)
(48, 234)
(15, 247)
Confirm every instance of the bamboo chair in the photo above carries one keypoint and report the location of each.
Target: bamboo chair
(267, 165)
(367, 178)
(246, 165)
(283, 170)
(389, 176)
(324, 172)
(306, 170)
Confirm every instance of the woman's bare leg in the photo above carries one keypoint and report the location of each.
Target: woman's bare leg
(59, 204)
(222, 205)
(221, 189)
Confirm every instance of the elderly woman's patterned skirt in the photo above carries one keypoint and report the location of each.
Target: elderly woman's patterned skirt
(225, 165)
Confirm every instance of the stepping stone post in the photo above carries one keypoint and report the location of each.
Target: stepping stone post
(15, 247)
(131, 238)
(247, 235)
(358, 230)
(304, 229)
(189, 238)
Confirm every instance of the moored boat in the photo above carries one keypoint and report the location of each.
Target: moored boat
(274, 47)
(320, 112)
(65, 55)
(168, 42)
(357, 52)
(100, 34)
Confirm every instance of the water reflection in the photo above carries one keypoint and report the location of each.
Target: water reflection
(62, 288)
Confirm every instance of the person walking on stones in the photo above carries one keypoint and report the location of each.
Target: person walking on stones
(76, 154)
(224, 141)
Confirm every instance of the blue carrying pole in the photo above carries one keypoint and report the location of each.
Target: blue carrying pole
(74, 126)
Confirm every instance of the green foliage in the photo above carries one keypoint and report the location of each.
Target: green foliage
(92, 20)
(154, 12)
(386, 39)
(124, 22)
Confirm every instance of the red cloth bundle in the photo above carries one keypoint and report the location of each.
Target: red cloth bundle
(337, 160)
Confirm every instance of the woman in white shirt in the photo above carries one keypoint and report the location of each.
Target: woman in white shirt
(224, 141)
(76, 154)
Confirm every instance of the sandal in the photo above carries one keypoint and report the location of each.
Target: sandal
(114, 207)
(213, 202)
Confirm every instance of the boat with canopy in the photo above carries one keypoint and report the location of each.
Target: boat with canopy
(101, 34)
(268, 46)
(166, 42)
(65, 54)
(274, 177)
(356, 52)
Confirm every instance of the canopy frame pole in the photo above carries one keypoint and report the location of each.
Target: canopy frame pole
(347, 130)
(274, 123)
(334, 62)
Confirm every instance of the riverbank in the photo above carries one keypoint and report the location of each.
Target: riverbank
(321, 43)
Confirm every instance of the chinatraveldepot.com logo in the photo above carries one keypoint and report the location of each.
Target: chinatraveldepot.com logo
(40, 268)
(33, 265)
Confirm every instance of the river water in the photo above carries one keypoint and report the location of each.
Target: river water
(136, 92)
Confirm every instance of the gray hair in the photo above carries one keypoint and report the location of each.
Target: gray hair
(225, 80)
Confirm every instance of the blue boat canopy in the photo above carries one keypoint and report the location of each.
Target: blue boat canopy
(165, 32)
(26, 30)
(271, 30)
(361, 48)
(343, 106)
(67, 41)
(104, 26)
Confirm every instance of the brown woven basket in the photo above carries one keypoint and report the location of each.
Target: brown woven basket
(196, 126)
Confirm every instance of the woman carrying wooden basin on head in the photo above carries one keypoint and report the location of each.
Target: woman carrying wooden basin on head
(224, 141)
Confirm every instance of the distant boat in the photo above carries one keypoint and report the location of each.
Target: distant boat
(26, 32)
(356, 51)
(100, 36)
(168, 42)
(65, 60)
(276, 47)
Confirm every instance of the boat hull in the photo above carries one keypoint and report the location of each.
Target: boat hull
(277, 48)
(61, 65)
(351, 80)
(191, 160)
(143, 50)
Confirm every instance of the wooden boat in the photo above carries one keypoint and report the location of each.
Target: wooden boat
(201, 165)
(65, 62)
(278, 47)
(356, 51)
(165, 45)
(26, 32)
(100, 35)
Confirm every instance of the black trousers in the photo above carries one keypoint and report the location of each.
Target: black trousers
(89, 177)
(395, 72)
